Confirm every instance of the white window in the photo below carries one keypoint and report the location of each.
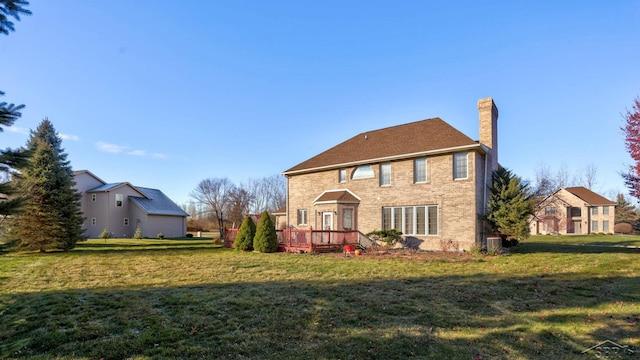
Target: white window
(363, 172)
(302, 217)
(605, 210)
(126, 222)
(460, 166)
(385, 174)
(594, 210)
(93, 221)
(342, 175)
(594, 226)
(420, 170)
(605, 226)
(119, 199)
(93, 197)
(411, 220)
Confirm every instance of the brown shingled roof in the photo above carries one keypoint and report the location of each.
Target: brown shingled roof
(414, 138)
(340, 196)
(589, 196)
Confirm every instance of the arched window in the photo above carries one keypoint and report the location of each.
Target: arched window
(363, 172)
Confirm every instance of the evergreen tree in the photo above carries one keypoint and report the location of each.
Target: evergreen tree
(246, 234)
(510, 205)
(266, 239)
(9, 113)
(51, 217)
(625, 212)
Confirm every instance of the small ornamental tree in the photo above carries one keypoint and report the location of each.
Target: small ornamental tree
(246, 233)
(138, 234)
(510, 205)
(266, 239)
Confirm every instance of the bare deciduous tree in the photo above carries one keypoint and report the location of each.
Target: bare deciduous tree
(215, 194)
(269, 193)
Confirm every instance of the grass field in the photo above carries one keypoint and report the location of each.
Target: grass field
(551, 298)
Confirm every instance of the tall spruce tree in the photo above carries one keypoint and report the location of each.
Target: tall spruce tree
(52, 218)
(510, 205)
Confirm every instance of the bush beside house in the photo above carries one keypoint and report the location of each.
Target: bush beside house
(246, 234)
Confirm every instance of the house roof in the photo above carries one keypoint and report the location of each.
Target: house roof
(113, 186)
(337, 196)
(156, 202)
(589, 196)
(396, 142)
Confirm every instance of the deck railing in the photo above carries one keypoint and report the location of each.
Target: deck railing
(306, 240)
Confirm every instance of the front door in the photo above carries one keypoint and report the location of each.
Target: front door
(577, 227)
(327, 224)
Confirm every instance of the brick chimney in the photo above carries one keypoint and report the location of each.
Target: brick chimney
(488, 113)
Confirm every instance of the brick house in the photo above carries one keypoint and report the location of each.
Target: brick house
(121, 208)
(425, 179)
(573, 210)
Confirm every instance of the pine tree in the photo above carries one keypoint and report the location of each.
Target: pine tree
(625, 212)
(51, 217)
(246, 234)
(266, 239)
(510, 205)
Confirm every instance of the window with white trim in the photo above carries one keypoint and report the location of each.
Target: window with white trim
(594, 210)
(385, 174)
(460, 166)
(605, 210)
(594, 226)
(420, 170)
(605, 226)
(93, 221)
(363, 172)
(342, 175)
(302, 217)
(93, 197)
(411, 220)
(119, 200)
(347, 219)
(126, 222)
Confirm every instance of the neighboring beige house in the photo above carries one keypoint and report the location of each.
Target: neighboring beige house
(573, 210)
(425, 179)
(121, 208)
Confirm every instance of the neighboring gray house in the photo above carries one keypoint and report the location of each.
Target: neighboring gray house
(121, 208)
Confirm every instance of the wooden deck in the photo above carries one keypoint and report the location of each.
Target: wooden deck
(306, 241)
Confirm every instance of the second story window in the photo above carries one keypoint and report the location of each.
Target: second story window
(342, 175)
(363, 172)
(385, 174)
(119, 200)
(460, 166)
(420, 170)
(594, 210)
(605, 210)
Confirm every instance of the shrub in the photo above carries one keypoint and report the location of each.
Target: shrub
(189, 235)
(266, 239)
(105, 234)
(137, 234)
(160, 235)
(388, 236)
(246, 233)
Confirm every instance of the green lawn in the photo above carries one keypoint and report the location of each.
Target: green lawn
(148, 299)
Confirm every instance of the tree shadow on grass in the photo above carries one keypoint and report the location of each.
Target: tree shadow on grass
(550, 317)
(623, 247)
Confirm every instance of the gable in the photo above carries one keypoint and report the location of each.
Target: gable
(86, 180)
(337, 196)
(396, 142)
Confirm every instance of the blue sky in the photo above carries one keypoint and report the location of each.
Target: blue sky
(164, 94)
